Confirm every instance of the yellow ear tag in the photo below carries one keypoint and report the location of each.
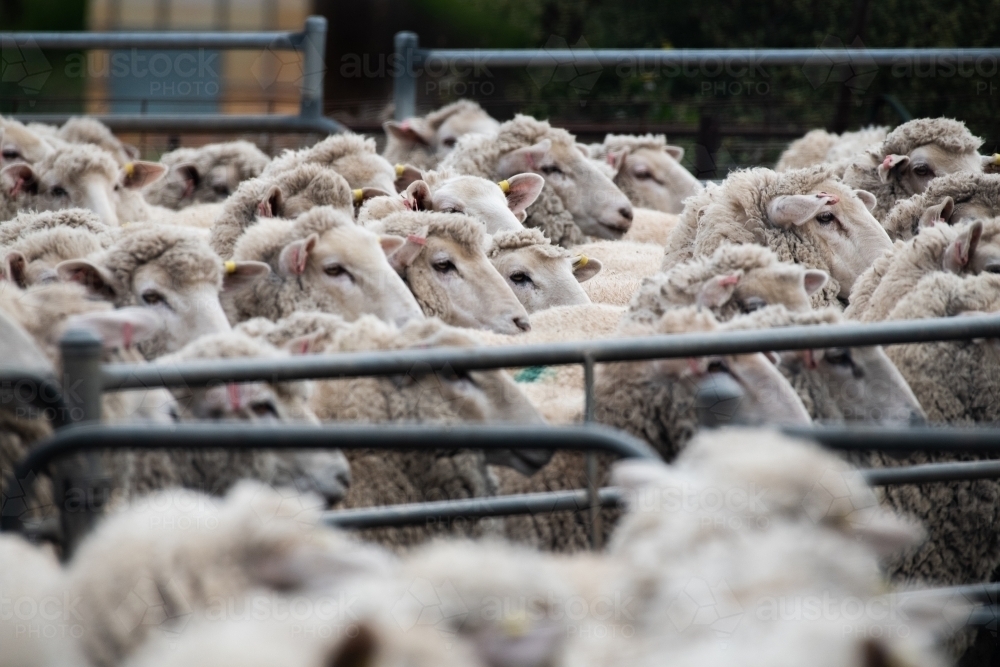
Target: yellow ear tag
(129, 169)
(996, 159)
(504, 186)
(230, 266)
(358, 194)
(580, 262)
(399, 170)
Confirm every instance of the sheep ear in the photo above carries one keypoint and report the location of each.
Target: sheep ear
(585, 268)
(18, 178)
(364, 194)
(418, 197)
(813, 280)
(795, 210)
(140, 173)
(409, 251)
(240, 275)
(97, 279)
(676, 152)
(411, 131)
(391, 243)
(525, 159)
(295, 256)
(718, 290)
(522, 191)
(132, 151)
(188, 172)
(121, 327)
(302, 344)
(890, 164)
(940, 212)
(867, 198)
(270, 204)
(616, 160)
(406, 174)
(356, 651)
(16, 267)
(961, 250)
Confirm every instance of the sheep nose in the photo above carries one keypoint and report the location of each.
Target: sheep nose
(522, 323)
(625, 212)
(344, 478)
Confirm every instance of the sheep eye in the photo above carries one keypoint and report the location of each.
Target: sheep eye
(824, 218)
(450, 142)
(838, 356)
(452, 209)
(221, 190)
(264, 409)
(335, 270)
(59, 191)
(520, 278)
(922, 170)
(753, 303)
(444, 266)
(643, 174)
(717, 366)
(551, 169)
(152, 298)
(10, 154)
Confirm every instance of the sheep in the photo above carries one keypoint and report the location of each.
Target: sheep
(579, 200)
(321, 261)
(952, 199)
(34, 243)
(733, 280)
(841, 383)
(499, 206)
(20, 144)
(285, 195)
(350, 155)
(822, 147)
(170, 270)
(83, 130)
(207, 174)
(423, 396)
(647, 170)
(959, 249)
(805, 216)
(649, 226)
(215, 471)
(910, 157)
(540, 274)
(424, 142)
(300, 333)
(185, 552)
(28, 222)
(444, 264)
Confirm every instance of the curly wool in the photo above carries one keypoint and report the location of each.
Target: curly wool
(681, 285)
(479, 155)
(308, 184)
(51, 246)
(326, 152)
(628, 142)
(524, 238)
(83, 130)
(279, 296)
(820, 146)
(245, 158)
(982, 190)
(318, 327)
(736, 212)
(28, 222)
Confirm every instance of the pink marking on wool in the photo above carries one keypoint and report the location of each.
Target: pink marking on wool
(235, 396)
(127, 333)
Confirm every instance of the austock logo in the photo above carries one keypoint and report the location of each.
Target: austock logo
(557, 68)
(24, 64)
(836, 63)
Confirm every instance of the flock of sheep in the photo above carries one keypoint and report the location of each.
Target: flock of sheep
(467, 232)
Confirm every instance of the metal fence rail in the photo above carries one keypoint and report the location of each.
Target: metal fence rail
(311, 43)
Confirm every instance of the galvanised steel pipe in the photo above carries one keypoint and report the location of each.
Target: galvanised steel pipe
(718, 58)
(278, 40)
(200, 122)
(201, 373)
(903, 439)
(925, 473)
(445, 510)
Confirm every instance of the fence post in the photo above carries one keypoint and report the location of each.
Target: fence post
(77, 482)
(313, 67)
(593, 484)
(404, 86)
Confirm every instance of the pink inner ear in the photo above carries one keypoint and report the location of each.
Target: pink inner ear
(729, 280)
(418, 240)
(264, 208)
(18, 186)
(128, 332)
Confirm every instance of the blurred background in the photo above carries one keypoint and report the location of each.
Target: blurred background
(740, 117)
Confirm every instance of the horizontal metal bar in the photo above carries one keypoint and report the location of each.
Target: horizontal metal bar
(933, 472)
(985, 592)
(985, 616)
(280, 40)
(200, 122)
(444, 510)
(473, 58)
(200, 373)
(903, 439)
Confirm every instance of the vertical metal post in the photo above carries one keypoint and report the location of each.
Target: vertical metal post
(313, 67)
(593, 497)
(404, 86)
(77, 482)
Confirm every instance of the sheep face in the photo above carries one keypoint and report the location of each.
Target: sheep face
(915, 171)
(767, 396)
(366, 170)
(19, 144)
(75, 177)
(440, 140)
(542, 279)
(457, 283)
(858, 384)
(33, 259)
(479, 198)
(840, 223)
(654, 178)
(745, 292)
(598, 207)
(348, 266)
